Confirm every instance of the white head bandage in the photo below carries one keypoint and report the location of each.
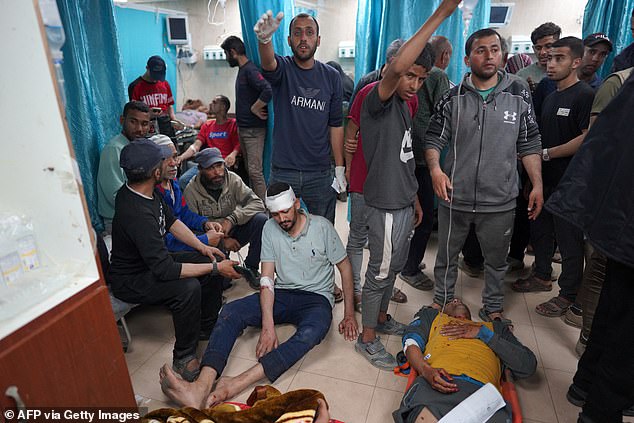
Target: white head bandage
(282, 201)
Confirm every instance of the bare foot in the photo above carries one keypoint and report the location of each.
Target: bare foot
(222, 392)
(181, 392)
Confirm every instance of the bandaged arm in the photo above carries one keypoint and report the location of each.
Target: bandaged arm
(267, 296)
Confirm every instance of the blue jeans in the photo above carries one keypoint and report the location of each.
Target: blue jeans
(310, 312)
(251, 233)
(313, 187)
(186, 177)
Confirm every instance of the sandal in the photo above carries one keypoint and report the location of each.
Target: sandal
(555, 307)
(531, 284)
(492, 316)
(398, 296)
(338, 293)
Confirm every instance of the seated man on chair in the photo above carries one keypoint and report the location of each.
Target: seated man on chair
(221, 196)
(209, 233)
(303, 250)
(454, 357)
(143, 272)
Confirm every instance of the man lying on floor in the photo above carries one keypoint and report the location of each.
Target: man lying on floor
(454, 357)
(303, 250)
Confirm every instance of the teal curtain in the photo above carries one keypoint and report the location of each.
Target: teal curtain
(94, 86)
(379, 22)
(250, 12)
(612, 17)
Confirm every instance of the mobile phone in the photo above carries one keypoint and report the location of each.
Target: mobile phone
(241, 269)
(157, 110)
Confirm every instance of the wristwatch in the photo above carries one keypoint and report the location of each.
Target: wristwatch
(545, 155)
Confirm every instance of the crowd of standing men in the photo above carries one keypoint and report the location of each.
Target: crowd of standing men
(492, 149)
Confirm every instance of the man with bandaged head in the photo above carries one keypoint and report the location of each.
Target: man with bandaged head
(303, 250)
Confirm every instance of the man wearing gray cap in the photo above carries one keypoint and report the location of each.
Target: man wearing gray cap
(221, 196)
(143, 272)
(209, 233)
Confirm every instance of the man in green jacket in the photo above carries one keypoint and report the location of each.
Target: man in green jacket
(135, 123)
(221, 196)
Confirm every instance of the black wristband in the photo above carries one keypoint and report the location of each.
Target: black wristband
(214, 269)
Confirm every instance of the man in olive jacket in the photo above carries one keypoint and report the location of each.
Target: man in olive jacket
(221, 196)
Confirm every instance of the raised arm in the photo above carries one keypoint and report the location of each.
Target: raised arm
(264, 29)
(409, 51)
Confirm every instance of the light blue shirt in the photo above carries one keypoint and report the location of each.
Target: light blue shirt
(307, 261)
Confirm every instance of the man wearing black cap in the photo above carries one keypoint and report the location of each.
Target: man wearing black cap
(143, 272)
(152, 89)
(221, 196)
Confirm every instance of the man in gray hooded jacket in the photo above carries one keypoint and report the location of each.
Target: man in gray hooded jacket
(486, 122)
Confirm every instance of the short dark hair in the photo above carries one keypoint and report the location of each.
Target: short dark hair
(545, 30)
(481, 33)
(135, 105)
(426, 58)
(234, 43)
(392, 49)
(439, 44)
(136, 176)
(277, 188)
(225, 100)
(302, 15)
(573, 43)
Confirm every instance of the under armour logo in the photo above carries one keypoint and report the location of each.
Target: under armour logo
(510, 117)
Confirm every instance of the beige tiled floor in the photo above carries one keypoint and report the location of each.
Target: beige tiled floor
(356, 391)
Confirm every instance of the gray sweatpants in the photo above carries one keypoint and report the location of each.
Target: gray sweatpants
(389, 235)
(494, 231)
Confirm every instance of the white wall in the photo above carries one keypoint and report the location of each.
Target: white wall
(529, 14)
(206, 79)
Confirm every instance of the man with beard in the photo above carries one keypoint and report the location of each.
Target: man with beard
(308, 128)
(143, 272)
(221, 132)
(564, 123)
(253, 93)
(209, 233)
(221, 196)
(486, 121)
(302, 249)
(135, 122)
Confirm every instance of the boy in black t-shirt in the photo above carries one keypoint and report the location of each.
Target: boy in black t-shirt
(143, 272)
(392, 206)
(564, 122)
